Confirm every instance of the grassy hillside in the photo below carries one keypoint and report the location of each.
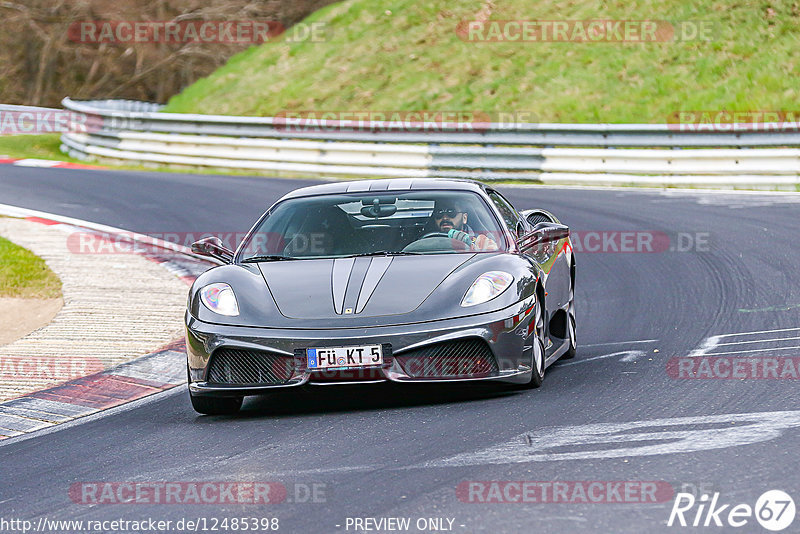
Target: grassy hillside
(391, 55)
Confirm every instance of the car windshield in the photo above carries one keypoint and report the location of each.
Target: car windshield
(376, 223)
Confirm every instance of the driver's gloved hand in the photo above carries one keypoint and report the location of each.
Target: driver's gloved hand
(461, 236)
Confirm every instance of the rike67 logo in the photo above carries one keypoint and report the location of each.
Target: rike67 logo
(774, 510)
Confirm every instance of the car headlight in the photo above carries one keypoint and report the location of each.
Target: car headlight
(219, 298)
(486, 287)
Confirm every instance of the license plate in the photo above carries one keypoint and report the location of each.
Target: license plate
(358, 356)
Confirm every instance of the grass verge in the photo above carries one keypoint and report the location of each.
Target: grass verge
(25, 275)
(44, 146)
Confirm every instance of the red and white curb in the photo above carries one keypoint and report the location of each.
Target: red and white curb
(146, 375)
(153, 373)
(46, 163)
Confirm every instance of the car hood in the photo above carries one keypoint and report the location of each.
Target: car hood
(356, 287)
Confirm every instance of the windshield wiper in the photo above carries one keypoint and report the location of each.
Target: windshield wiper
(266, 257)
(383, 253)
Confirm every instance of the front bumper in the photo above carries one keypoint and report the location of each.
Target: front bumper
(506, 332)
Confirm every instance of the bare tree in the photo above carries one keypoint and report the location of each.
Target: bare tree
(40, 63)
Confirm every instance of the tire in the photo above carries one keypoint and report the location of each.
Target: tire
(573, 340)
(216, 405)
(537, 374)
(573, 343)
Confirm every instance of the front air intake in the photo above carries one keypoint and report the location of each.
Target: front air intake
(463, 358)
(247, 367)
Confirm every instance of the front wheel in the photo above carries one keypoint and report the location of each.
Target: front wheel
(537, 363)
(216, 405)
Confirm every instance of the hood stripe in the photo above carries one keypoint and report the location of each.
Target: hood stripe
(377, 268)
(357, 274)
(340, 276)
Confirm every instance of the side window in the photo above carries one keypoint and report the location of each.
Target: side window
(507, 211)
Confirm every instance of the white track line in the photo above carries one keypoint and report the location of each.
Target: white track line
(750, 350)
(619, 343)
(712, 342)
(626, 356)
(758, 341)
(758, 332)
(648, 437)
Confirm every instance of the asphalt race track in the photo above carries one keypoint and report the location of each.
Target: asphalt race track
(378, 452)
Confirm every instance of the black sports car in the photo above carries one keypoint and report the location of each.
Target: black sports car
(407, 280)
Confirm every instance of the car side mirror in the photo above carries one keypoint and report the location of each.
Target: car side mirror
(213, 247)
(545, 232)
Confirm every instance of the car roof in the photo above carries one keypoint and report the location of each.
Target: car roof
(387, 184)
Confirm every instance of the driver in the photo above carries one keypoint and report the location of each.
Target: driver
(449, 217)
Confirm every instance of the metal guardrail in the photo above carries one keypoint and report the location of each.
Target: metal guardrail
(607, 153)
(13, 108)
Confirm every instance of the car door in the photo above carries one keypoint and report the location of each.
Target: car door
(552, 258)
